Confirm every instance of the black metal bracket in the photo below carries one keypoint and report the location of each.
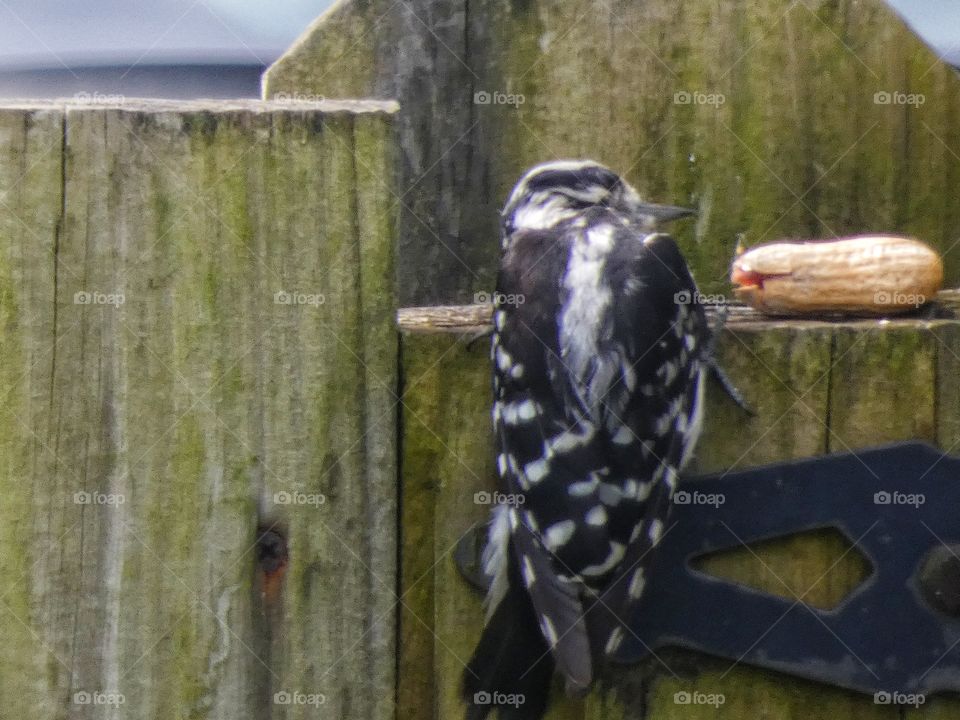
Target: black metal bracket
(898, 631)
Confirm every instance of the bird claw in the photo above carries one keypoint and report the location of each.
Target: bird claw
(718, 373)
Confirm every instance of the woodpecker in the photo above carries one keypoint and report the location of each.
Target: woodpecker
(599, 354)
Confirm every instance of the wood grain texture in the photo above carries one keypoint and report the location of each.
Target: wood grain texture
(814, 386)
(447, 466)
(36, 511)
(883, 386)
(477, 317)
(198, 341)
(680, 100)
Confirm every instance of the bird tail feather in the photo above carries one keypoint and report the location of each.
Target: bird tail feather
(512, 667)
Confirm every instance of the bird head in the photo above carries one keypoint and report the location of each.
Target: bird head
(554, 192)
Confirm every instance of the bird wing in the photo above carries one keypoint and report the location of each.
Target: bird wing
(590, 391)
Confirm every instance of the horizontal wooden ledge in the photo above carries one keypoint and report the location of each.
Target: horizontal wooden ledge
(473, 319)
(87, 102)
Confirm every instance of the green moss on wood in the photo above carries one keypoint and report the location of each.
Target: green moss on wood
(30, 175)
(881, 387)
(791, 375)
(788, 566)
(800, 151)
(947, 343)
(783, 372)
(197, 399)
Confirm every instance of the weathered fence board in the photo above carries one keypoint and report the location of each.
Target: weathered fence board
(778, 119)
(198, 344)
(30, 173)
(814, 387)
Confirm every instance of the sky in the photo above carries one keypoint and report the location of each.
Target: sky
(936, 21)
(52, 32)
(49, 33)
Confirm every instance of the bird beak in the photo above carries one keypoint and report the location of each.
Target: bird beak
(664, 213)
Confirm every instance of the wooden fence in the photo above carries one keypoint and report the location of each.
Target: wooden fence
(771, 118)
(197, 344)
(815, 387)
(226, 494)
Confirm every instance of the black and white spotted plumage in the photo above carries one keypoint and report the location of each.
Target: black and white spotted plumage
(598, 354)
